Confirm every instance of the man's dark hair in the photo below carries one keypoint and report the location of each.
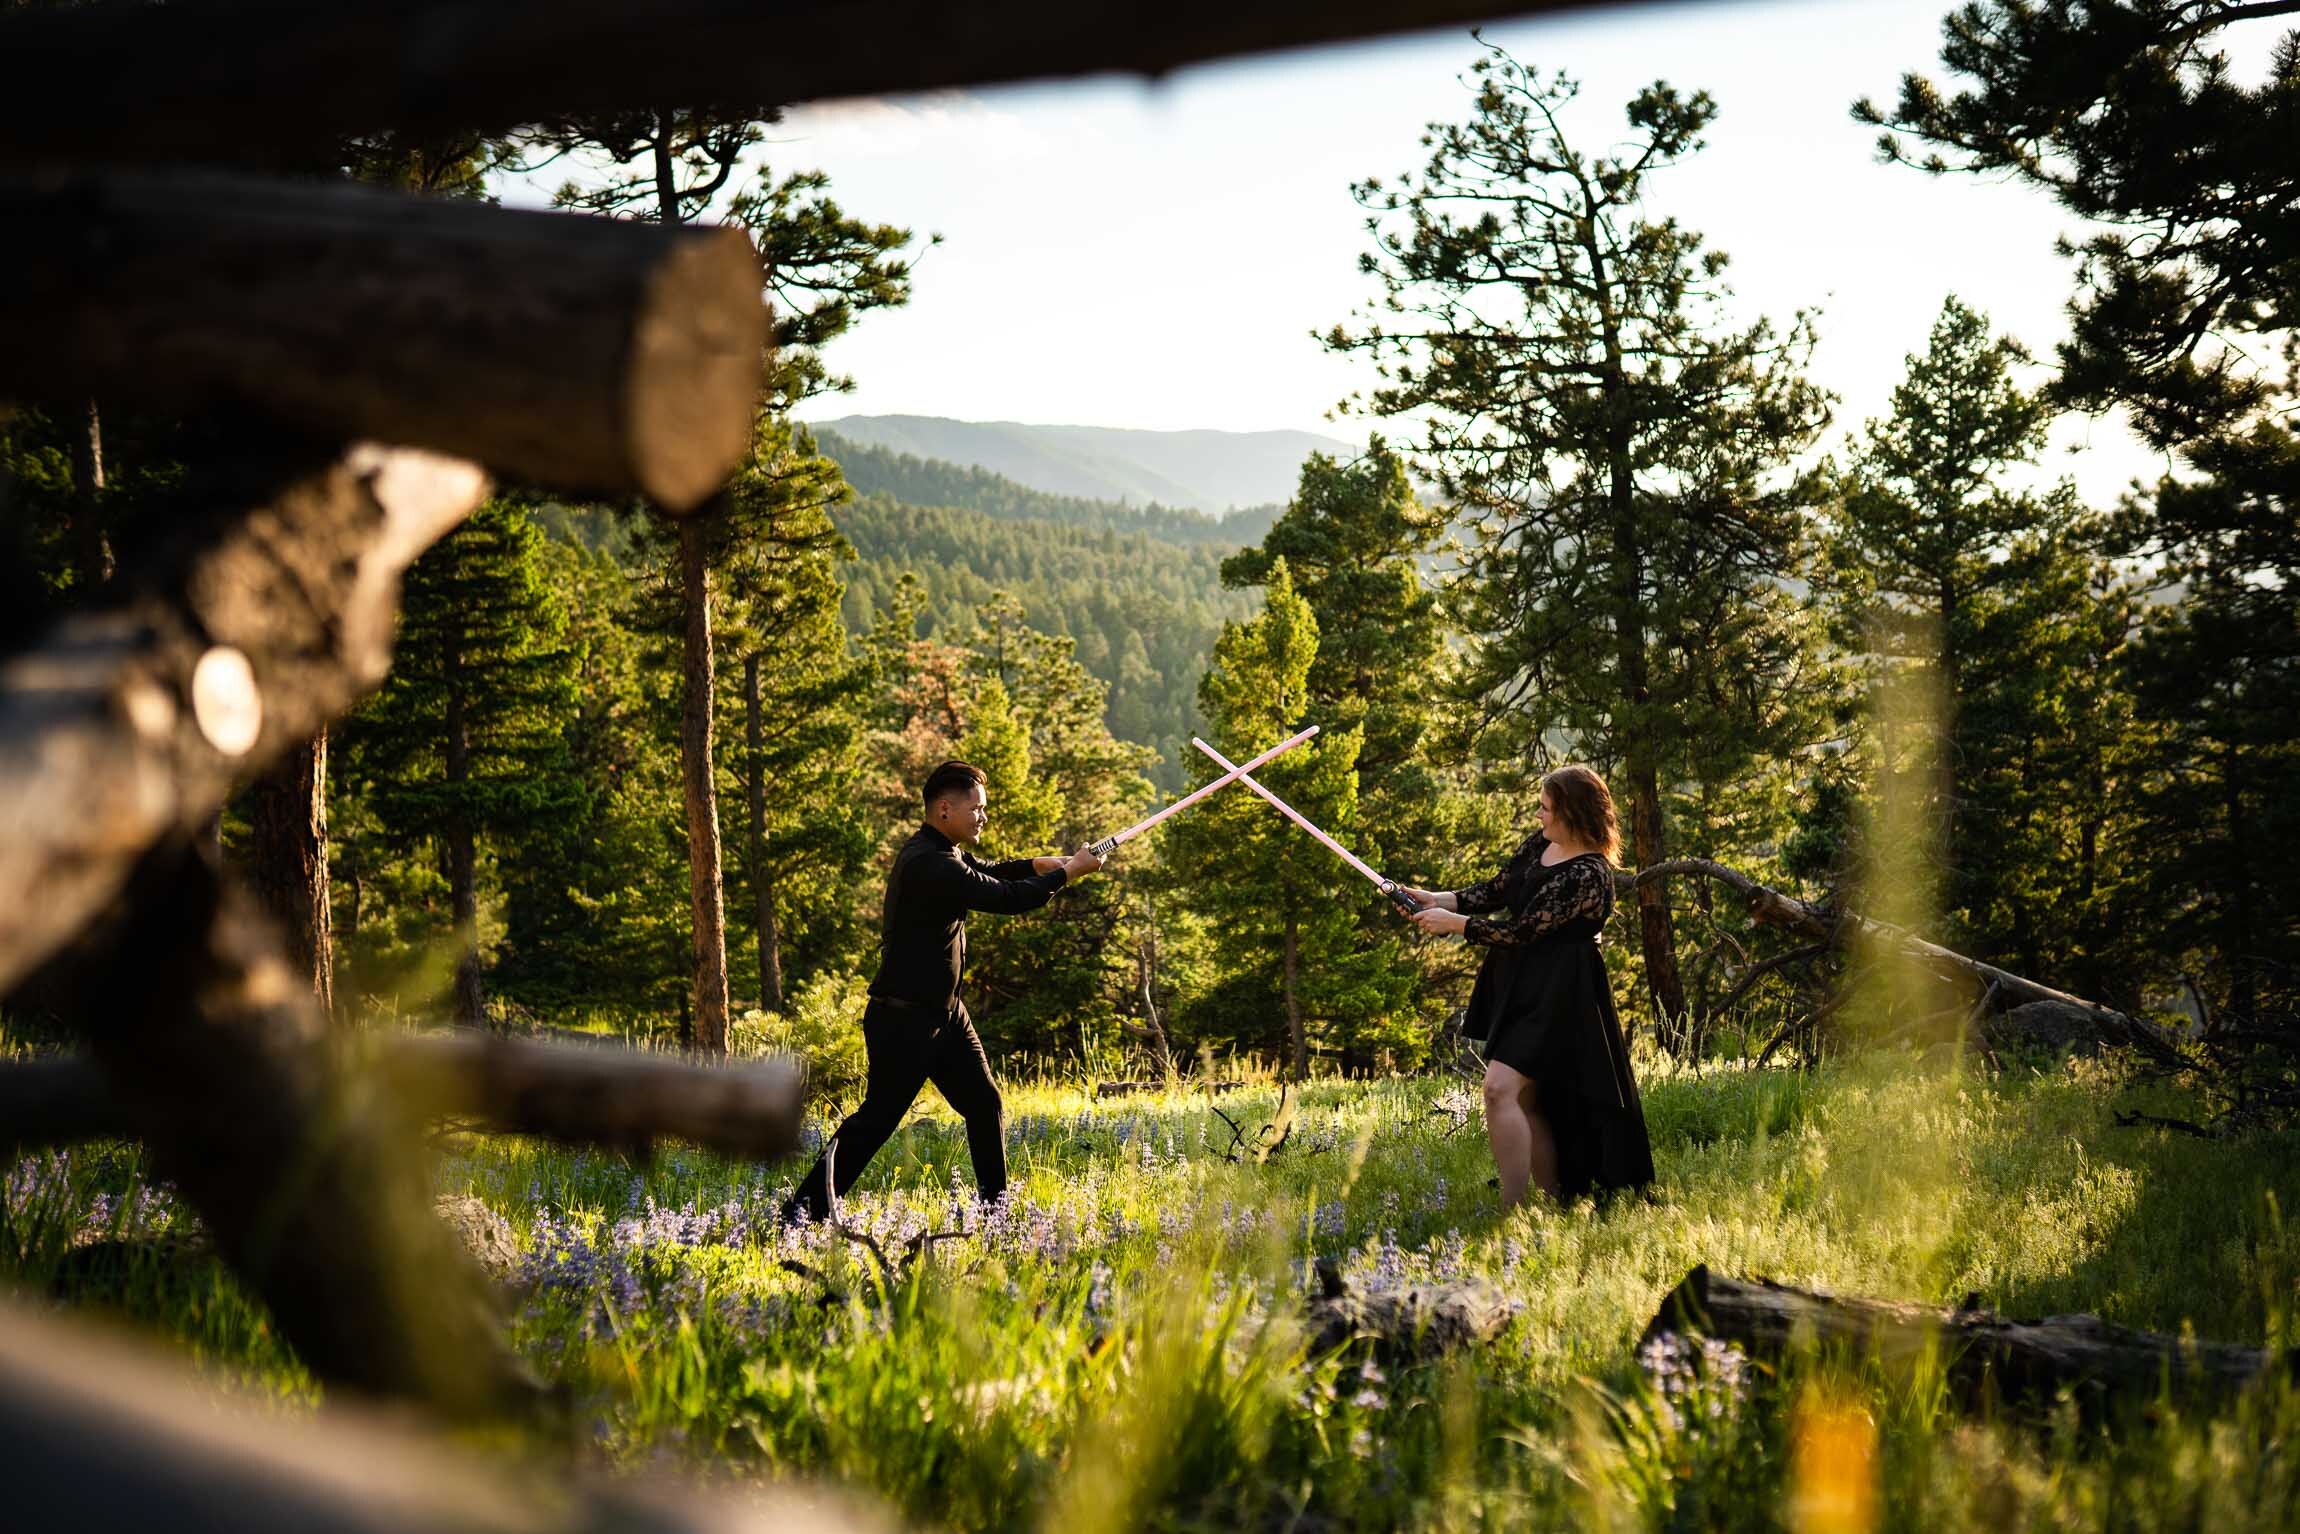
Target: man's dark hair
(950, 778)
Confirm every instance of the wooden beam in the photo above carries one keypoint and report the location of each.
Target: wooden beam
(577, 1094)
(99, 1433)
(587, 354)
(304, 1173)
(624, 1099)
(129, 722)
(258, 81)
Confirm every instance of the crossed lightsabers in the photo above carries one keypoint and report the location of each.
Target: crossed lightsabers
(1234, 774)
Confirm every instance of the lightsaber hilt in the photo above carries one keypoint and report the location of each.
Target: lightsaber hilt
(1399, 897)
(1104, 847)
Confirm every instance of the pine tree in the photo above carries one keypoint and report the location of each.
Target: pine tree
(465, 743)
(822, 269)
(1281, 918)
(1354, 539)
(1625, 452)
(1919, 552)
(2130, 115)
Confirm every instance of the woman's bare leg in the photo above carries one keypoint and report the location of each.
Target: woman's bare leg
(1541, 1142)
(1507, 1131)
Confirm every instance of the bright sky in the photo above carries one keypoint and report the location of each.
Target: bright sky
(1119, 254)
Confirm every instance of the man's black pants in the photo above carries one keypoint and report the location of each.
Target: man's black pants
(908, 1047)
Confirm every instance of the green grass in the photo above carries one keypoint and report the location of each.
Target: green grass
(1125, 1352)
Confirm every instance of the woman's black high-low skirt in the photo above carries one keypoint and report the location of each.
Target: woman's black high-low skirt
(1546, 1011)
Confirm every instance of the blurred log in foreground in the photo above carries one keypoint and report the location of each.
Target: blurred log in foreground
(98, 1434)
(249, 80)
(577, 1094)
(581, 353)
(303, 1171)
(1986, 1355)
(130, 722)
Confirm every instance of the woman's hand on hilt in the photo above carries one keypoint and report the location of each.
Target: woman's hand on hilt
(1439, 923)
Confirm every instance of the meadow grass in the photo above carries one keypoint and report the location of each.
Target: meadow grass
(1120, 1346)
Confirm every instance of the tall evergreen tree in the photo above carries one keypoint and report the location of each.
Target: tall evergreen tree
(802, 699)
(1625, 449)
(1354, 540)
(1280, 918)
(822, 269)
(1921, 551)
(2129, 114)
(465, 742)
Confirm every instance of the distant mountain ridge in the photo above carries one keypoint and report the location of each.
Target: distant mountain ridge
(915, 481)
(1209, 471)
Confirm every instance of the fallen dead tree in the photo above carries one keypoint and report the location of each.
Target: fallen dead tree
(1986, 1355)
(1829, 930)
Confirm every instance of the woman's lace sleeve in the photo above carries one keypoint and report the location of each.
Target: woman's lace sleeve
(1492, 894)
(1575, 894)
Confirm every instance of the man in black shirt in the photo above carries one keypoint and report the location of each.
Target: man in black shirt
(916, 1029)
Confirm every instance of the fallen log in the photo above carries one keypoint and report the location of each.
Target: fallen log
(96, 1433)
(129, 723)
(1829, 928)
(1411, 1323)
(577, 1094)
(1986, 1355)
(262, 78)
(582, 353)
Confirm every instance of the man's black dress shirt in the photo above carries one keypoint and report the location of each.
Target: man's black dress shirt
(935, 882)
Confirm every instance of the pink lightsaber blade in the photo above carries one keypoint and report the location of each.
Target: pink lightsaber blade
(1389, 887)
(1110, 844)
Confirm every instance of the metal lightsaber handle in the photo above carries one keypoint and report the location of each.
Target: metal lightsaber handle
(1110, 844)
(1389, 887)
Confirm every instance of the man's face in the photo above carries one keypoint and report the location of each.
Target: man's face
(962, 816)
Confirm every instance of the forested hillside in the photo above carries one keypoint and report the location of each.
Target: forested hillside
(1141, 592)
(1211, 471)
(919, 481)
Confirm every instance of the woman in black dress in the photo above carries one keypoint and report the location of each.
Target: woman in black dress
(1561, 1109)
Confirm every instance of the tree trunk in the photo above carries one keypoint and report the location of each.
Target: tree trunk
(703, 875)
(1654, 928)
(706, 894)
(91, 543)
(1297, 1037)
(762, 878)
(288, 860)
(2238, 900)
(470, 1010)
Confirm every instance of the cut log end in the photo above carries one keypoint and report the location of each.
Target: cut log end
(698, 359)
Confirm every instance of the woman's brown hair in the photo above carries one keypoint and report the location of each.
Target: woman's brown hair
(1584, 806)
